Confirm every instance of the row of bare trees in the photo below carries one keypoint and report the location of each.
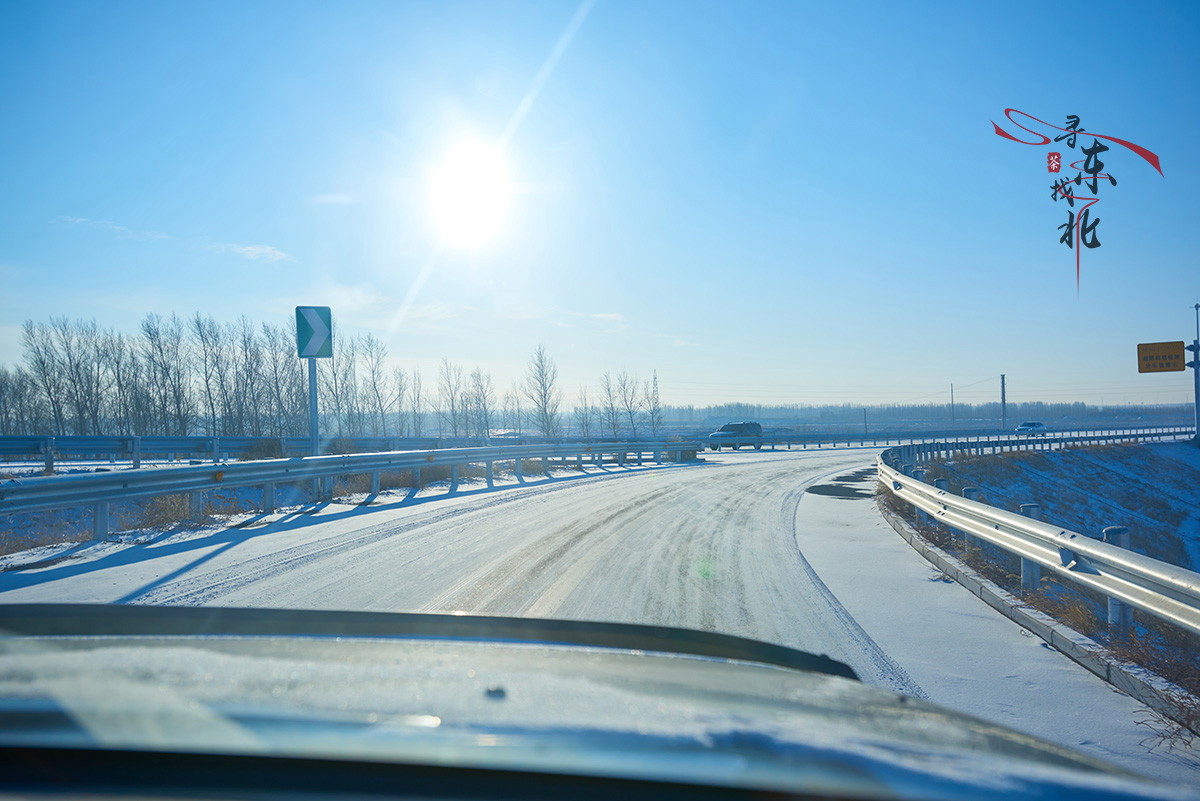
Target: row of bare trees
(195, 375)
(624, 407)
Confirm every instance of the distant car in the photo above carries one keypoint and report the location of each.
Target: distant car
(736, 435)
(1031, 429)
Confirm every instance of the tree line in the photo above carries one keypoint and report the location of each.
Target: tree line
(181, 376)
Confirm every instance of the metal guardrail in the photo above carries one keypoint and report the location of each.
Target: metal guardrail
(1127, 578)
(50, 449)
(100, 489)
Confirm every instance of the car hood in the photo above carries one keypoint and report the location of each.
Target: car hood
(514, 703)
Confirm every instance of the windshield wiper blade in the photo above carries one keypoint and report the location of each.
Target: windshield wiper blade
(116, 620)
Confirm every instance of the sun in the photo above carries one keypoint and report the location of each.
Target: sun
(469, 195)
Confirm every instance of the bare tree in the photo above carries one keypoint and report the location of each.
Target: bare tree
(541, 388)
(511, 409)
(482, 403)
(451, 397)
(206, 337)
(8, 402)
(399, 392)
(45, 367)
(168, 373)
(78, 347)
(653, 404)
(22, 410)
(584, 413)
(126, 406)
(249, 392)
(610, 406)
(630, 399)
(341, 397)
(286, 382)
(375, 381)
(418, 403)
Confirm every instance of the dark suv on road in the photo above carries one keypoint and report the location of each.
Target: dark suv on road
(736, 435)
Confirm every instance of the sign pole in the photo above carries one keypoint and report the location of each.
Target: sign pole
(314, 340)
(312, 407)
(1195, 365)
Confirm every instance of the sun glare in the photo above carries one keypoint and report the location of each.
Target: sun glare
(469, 195)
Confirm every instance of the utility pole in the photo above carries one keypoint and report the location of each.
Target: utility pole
(864, 422)
(1195, 365)
(1003, 406)
(952, 406)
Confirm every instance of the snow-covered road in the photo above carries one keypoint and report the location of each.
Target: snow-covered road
(729, 545)
(709, 546)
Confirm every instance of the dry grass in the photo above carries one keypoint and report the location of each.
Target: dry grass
(532, 466)
(15, 538)
(352, 485)
(164, 511)
(1078, 612)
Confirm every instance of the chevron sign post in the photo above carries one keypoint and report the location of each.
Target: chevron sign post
(314, 340)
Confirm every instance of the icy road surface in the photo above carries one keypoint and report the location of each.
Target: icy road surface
(709, 546)
(734, 545)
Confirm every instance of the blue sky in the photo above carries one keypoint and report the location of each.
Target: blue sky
(771, 202)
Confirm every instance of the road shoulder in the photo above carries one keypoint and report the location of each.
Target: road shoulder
(963, 653)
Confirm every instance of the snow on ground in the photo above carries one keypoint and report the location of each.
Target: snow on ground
(734, 545)
(966, 655)
(1154, 489)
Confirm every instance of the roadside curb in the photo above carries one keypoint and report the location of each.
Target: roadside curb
(1133, 680)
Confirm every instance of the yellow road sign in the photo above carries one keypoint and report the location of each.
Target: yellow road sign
(1160, 357)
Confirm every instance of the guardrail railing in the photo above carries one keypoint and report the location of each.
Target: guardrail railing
(1126, 578)
(98, 490)
(50, 449)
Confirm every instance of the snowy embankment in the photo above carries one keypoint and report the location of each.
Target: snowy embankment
(1154, 489)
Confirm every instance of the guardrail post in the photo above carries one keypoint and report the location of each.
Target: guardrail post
(1120, 614)
(215, 444)
(48, 454)
(453, 477)
(283, 449)
(906, 469)
(100, 521)
(195, 505)
(416, 474)
(490, 481)
(375, 483)
(942, 483)
(268, 498)
(136, 446)
(517, 469)
(918, 474)
(970, 542)
(1031, 572)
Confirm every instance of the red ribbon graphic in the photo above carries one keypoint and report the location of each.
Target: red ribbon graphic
(1151, 158)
